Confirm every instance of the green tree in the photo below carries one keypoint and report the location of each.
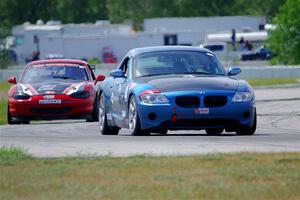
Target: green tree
(14, 12)
(285, 39)
(80, 11)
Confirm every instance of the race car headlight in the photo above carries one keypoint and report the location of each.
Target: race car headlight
(153, 97)
(21, 96)
(243, 97)
(80, 94)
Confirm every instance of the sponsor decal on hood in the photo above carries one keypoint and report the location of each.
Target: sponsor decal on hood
(74, 88)
(50, 88)
(27, 89)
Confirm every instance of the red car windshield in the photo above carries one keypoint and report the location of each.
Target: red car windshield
(54, 72)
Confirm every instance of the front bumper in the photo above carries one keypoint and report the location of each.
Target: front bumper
(172, 117)
(67, 108)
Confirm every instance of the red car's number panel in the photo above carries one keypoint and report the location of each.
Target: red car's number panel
(50, 101)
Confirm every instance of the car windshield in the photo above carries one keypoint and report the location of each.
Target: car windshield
(54, 72)
(176, 62)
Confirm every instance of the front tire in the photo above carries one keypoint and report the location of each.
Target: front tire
(9, 118)
(246, 130)
(105, 129)
(95, 115)
(134, 119)
(16, 121)
(26, 121)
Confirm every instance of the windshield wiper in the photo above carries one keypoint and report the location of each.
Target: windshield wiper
(151, 75)
(65, 77)
(197, 73)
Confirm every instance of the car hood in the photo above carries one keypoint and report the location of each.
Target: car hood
(189, 82)
(50, 88)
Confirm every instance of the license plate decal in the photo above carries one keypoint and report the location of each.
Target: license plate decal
(202, 111)
(50, 101)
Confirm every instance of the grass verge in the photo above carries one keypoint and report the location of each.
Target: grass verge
(4, 86)
(3, 112)
(212, 176)
(10, 155)
(272, 81)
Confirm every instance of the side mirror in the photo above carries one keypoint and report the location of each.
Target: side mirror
(12, 80)
(100, 78)
(234, 71)
(118, 73)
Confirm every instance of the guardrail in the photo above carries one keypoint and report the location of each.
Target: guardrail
(247, 72)
(270, 72)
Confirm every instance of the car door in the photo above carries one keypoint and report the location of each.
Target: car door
(118, 95)
(124, 94)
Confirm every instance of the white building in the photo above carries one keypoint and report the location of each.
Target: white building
(88, 40)
(207, 24)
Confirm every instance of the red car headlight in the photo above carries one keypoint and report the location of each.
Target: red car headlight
(21, 96)
(80, 94)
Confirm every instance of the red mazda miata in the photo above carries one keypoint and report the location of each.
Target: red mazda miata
(54, 89)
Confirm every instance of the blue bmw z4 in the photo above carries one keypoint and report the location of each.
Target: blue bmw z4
(156, 89)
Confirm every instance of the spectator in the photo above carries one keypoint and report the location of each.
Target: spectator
(35, 55)
(248, 45)
(242, 44)
(233, 39)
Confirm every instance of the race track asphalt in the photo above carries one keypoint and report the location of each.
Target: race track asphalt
(278, 131)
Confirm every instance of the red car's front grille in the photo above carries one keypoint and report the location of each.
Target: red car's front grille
(49, 111)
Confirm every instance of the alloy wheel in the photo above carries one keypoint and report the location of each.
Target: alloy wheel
(101, 113)
(132, 115)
